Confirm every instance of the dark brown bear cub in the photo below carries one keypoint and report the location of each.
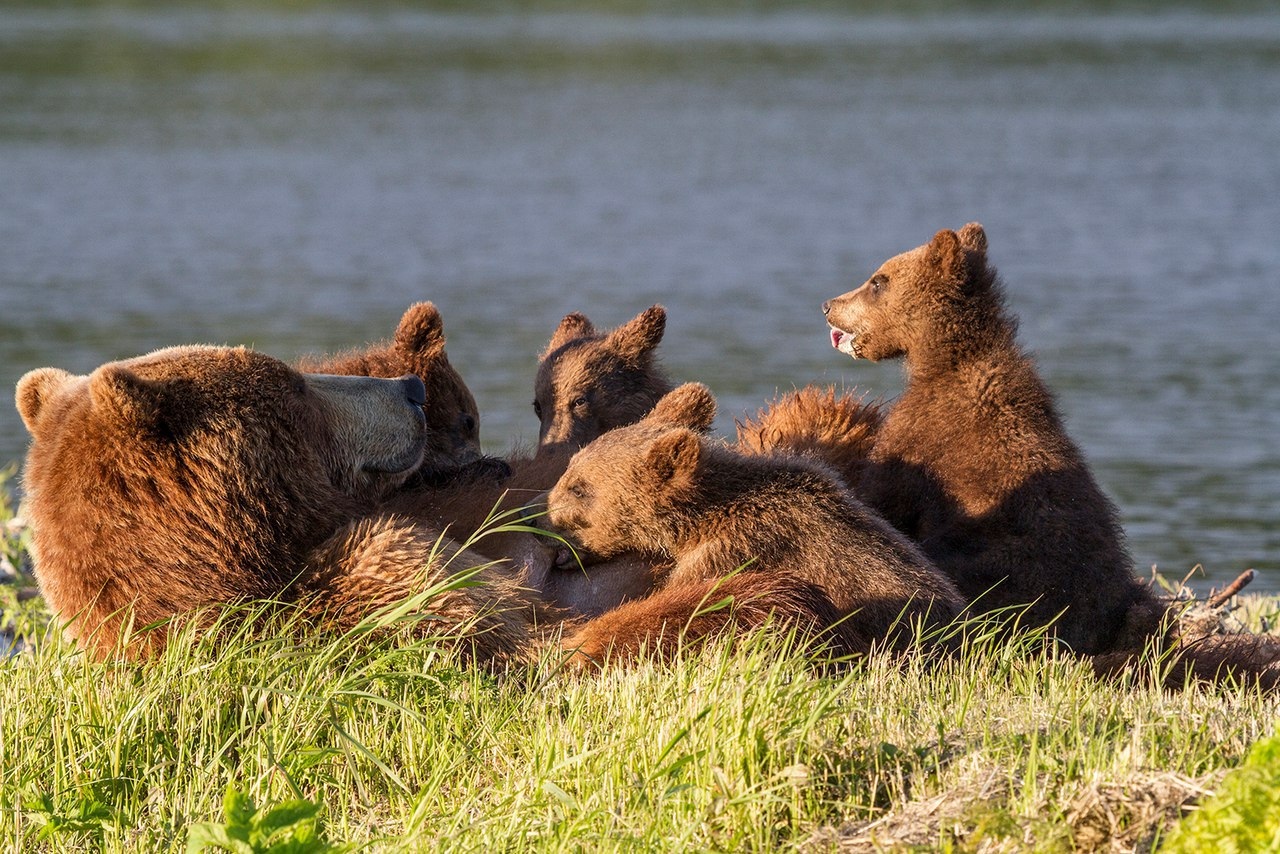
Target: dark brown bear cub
(660, 486)
(453, 421)
(590, 381)
(972, 460)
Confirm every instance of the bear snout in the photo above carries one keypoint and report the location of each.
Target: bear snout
(414, 389)
(826, 307)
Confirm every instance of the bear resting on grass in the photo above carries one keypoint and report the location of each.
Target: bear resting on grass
(660, 486)
(199, 476)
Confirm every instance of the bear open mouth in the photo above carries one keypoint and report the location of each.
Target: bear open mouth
(844, 341)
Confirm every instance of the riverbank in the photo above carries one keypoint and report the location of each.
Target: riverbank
(367, 740)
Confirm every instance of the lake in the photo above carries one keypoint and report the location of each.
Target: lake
(291, 178)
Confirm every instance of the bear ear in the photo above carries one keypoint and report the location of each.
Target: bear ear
(142, 404)
(35, 389)
(421, 330)
(672, 460)
(691, 405)
(572, 327)
(947, 255)
(973, 238)
(637, 338)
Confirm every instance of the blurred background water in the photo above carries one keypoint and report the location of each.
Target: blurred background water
(291, 177)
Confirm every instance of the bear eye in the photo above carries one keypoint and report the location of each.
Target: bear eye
(468, 423)
(878, 282)
(537, 409)
(578, 490)
(579, 402)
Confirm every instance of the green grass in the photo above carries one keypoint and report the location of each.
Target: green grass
(265, 742)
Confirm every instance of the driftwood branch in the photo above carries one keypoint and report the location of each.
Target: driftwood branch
(1217, 600)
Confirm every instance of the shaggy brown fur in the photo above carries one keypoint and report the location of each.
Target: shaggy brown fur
(973, 462)
(684, 615)
(659, 486)
(590, 381)
(466, 510)
(596, 590)
(838, 429)
(453, 420)
(198, 476)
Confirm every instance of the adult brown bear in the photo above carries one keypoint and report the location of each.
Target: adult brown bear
(199, 476)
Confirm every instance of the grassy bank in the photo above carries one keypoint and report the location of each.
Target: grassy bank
(359, 741)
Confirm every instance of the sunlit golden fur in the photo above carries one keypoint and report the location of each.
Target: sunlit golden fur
(201, 476)
(837, 428)
(661, 486)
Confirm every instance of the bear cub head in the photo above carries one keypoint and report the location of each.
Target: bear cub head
(911, 297)
(590, 382)
(618, 491)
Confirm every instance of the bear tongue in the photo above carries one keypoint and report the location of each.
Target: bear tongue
(845, 342)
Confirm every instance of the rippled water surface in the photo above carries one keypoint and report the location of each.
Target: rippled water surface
(293, 179)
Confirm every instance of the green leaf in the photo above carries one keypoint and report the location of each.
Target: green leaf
(290, 815)
(238, 808)
(559, 794)
(205, 835)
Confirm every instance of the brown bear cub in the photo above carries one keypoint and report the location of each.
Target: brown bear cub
(587, 381)
(200, 476)
(590, 381)
(660, 486)
(972, 460)
(453, 420)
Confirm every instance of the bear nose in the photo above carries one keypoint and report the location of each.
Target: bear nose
(414, 390)
(826, 308)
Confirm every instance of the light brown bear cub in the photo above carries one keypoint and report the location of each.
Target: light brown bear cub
(587, 381)
(199, 476)
(972, 460)
(660, 486)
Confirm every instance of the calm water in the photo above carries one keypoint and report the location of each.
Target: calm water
(292, 180)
